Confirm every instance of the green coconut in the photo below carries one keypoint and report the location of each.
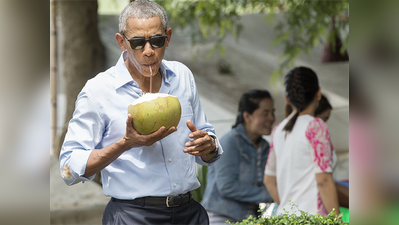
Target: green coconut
(154, 110)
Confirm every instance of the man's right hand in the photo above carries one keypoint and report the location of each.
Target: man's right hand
(100, 158)
(133, 139)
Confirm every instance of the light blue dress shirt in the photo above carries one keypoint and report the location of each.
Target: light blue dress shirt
(99, 120)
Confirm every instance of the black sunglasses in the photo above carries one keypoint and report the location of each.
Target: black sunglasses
(138, 43)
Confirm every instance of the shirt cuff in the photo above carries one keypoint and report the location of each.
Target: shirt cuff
(77, 167)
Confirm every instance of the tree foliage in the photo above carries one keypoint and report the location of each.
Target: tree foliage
(304, 26)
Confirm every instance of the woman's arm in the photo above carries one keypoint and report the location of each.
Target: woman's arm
(271, 185)
(319, 138)
(343, 195)
(328, 191)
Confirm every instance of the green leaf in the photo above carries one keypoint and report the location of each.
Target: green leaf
(303, 26)
(270, 17)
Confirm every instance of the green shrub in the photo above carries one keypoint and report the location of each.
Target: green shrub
(198, 193)
(293, 219)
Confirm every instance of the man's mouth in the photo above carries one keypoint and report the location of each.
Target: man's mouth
(149, 64)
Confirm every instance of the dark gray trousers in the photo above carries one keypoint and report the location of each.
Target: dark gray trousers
(121, 212)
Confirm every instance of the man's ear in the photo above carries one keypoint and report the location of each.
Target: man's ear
(169, 34)
(119, 39)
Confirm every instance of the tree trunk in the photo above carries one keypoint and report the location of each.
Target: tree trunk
(82, 51)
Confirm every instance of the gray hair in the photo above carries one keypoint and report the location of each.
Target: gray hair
(142, 9)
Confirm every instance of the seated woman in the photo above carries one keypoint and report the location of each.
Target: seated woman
(234, 184)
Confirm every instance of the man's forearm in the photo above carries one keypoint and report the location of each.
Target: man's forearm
(328, 191)
(100, 158)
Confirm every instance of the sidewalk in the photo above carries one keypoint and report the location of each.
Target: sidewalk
(76, 204)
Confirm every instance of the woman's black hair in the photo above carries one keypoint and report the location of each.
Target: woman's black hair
(249, 102)
(288, 110)
(301, 86)
(324, 104)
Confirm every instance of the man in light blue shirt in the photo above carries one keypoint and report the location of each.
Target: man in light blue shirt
(149, 177)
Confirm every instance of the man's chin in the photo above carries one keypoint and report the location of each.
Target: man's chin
(144, 72)
(146, 75)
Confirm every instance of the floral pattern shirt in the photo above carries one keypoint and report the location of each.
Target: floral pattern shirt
(295, 158)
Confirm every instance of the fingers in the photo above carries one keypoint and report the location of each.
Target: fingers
(159, 134)
(202, 143)
(195, 133)
(199, 141)
(134, 139)
(191, 126)
(199, 150)
(194, 150)
(129, 125)
(169, 131)
(198, 134)
(200, 146)
(129, 120)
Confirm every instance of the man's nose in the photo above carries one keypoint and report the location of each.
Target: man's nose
(148, 50)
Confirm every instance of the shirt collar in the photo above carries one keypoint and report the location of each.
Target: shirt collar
(123, 76)
(241, 130)
(166, 72)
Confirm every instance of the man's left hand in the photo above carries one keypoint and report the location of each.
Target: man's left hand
(202, 144)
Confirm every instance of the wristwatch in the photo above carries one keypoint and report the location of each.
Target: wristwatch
(216, 150)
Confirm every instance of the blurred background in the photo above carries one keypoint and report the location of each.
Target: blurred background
(231, 47)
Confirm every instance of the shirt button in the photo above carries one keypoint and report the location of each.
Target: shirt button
(170, 159)
(175, 185)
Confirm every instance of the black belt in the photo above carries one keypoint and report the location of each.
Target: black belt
(168, 201)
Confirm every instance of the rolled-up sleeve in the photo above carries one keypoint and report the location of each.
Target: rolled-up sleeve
(84, 133)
